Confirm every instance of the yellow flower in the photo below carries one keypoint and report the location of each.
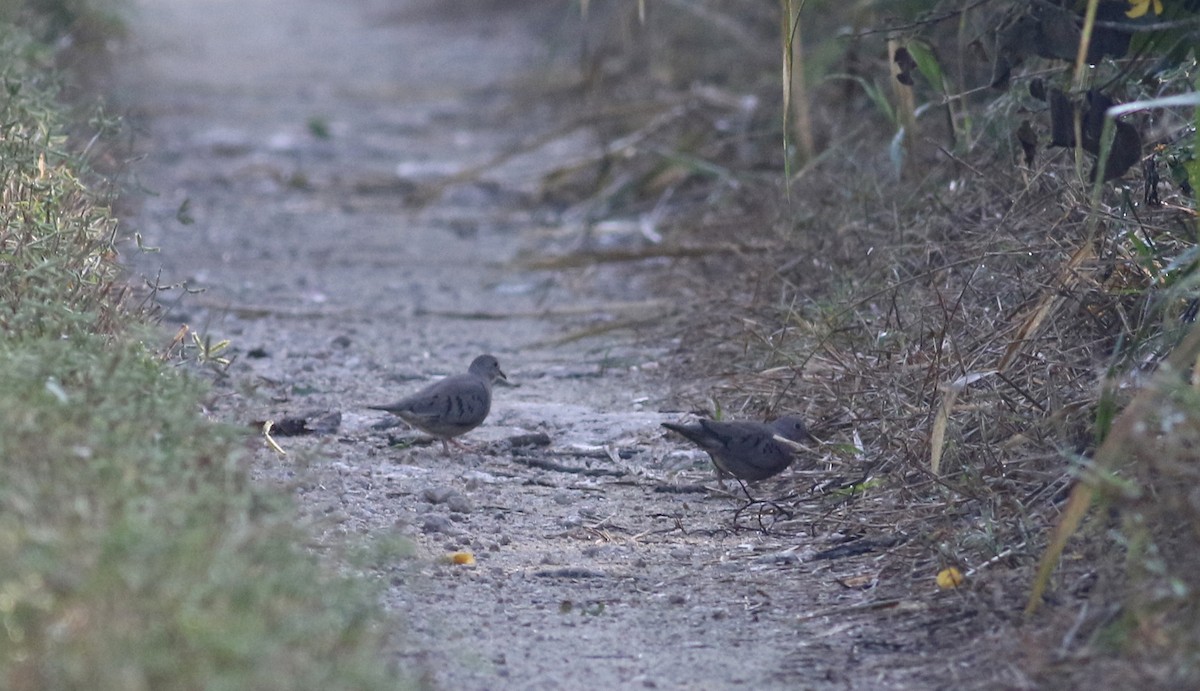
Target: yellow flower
(1140, 7)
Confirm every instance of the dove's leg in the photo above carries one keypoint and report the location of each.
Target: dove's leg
(461, 446)
(747, 491)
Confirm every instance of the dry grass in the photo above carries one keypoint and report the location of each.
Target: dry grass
(968, 347)
(965, 338)
(1002, 300)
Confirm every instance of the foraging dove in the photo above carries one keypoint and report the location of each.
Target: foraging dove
(746, 450)
(453, 406)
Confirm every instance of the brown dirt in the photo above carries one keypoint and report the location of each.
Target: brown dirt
(287, 144)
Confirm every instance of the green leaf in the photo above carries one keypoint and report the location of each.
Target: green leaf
(927, 63)
(873, 92)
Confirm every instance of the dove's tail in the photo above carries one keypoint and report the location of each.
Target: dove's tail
(692, 432)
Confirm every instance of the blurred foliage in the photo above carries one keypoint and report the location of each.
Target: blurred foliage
(52, 22)
(134, 551)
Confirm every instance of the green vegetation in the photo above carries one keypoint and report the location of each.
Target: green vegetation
(134, 553)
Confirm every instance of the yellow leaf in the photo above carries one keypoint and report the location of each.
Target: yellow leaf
(949, 578)
(1141, 7)
(461, 558)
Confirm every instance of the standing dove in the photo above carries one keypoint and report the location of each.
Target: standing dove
(453, 406)
(746, 450)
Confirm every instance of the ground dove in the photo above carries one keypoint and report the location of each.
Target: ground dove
(746, 450)
(453, 406)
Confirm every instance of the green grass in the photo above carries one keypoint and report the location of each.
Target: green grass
(134, 552)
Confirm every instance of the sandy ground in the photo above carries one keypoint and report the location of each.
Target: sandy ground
(285, 144)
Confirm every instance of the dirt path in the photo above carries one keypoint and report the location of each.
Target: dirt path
(284, 142)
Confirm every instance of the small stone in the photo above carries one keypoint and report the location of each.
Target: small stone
(436, 523)
(457, 503)
(787, 557)
(529, 440)
(325, 422)
(437, 495)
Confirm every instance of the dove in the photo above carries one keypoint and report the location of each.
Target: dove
(746, 450)
(453, 406)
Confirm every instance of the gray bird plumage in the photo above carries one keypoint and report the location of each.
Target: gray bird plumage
(453, 406)
(746, 450)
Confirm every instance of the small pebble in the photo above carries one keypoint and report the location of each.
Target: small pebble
(458, 503)
(778, 558)
(437, 495)
(436, 523)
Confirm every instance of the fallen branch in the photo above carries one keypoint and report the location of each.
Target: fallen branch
(568, 311)
(559, 468)
(580, 259)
